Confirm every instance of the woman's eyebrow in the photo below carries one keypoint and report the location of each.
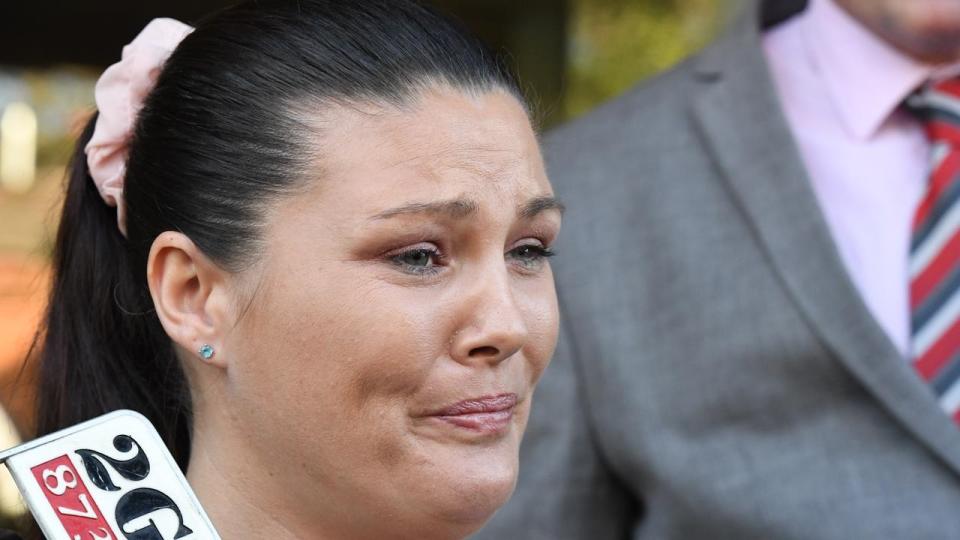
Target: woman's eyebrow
(463, 208)
(454, 208)
(540, 204)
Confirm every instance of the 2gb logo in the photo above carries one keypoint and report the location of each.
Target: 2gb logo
(138, 512)
(69, 497)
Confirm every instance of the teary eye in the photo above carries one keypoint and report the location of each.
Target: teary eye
(417, 257)
(417, 260)
(530, 256)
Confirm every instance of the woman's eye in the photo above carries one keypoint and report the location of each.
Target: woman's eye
(531, 255)
(418, 260)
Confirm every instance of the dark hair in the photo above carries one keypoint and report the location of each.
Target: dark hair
(224, 132)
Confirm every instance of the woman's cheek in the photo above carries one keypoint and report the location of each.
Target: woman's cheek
(543, 318)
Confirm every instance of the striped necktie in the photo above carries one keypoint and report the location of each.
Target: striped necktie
(935, 248)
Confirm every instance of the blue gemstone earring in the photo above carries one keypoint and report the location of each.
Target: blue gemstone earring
(206, 351)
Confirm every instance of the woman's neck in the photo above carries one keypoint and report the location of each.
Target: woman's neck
(237, 505)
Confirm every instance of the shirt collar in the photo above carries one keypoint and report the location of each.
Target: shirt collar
(866, 78)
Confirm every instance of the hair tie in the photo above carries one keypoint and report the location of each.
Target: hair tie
(119, 94)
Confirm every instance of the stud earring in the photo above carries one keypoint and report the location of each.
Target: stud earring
(206, 351)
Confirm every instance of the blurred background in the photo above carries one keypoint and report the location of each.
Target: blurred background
(570, 54)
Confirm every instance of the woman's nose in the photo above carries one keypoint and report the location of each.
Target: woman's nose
(493, 328)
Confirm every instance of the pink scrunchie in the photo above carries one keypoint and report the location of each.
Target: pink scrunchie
(119, 93)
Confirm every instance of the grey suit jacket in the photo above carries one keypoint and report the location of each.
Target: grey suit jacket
(718, 374)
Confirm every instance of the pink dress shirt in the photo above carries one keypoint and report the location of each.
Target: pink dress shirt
(840, 87)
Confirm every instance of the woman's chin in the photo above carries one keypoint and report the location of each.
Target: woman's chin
(473, 491)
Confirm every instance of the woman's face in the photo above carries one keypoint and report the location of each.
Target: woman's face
(403, 311)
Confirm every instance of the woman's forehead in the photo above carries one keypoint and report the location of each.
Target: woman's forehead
(448, 141)
(443, 125)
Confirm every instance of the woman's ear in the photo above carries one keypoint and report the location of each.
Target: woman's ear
(191, 297)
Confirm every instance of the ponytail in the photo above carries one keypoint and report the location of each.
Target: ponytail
(102, 347)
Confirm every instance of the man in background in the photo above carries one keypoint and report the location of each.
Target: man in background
(759, 276)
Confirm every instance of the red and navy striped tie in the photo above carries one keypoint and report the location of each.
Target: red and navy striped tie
(935, 248)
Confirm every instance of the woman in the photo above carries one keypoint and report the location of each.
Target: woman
(317, 264)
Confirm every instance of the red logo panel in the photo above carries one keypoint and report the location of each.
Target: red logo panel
(71, 500)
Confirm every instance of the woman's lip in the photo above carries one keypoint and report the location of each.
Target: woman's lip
(489, 415)
(481, 405)
(489, 423)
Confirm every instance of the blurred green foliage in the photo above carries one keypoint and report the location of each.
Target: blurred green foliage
(615, 43)
(63, 99)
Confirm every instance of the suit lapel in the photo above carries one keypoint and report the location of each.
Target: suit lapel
(739, 116)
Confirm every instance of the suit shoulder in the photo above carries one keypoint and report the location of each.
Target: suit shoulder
(626, 144)
(654, 102)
